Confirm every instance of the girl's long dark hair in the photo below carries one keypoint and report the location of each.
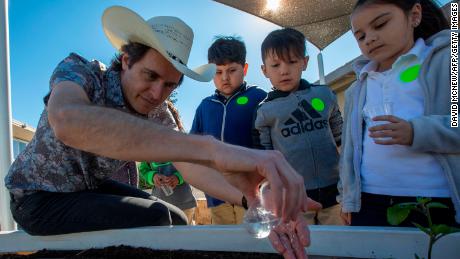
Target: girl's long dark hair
(176, 116)
(433, 20)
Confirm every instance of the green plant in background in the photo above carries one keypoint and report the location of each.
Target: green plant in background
(399, 212)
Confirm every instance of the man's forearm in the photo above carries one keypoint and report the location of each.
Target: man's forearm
(119, 135)
(210, 181)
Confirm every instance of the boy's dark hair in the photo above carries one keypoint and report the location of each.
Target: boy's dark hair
(283, 41)
(135, 51)
(227, 49)
(433, 20)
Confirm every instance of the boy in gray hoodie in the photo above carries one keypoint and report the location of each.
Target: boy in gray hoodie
(302, 121)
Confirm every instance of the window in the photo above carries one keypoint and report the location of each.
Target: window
(18, 147)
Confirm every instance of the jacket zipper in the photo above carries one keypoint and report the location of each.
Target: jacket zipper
(222, 131)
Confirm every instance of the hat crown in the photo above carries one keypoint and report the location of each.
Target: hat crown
(170, 36)
(175, 36)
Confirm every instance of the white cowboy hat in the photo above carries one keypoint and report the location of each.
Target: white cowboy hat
(170, 36)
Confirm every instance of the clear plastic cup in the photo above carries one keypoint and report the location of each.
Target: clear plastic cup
(372, 111)
(167, 190)
(260, 218)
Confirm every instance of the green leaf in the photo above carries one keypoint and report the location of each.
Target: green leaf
(396, 215)
(407, 205)
(440, 229)
(423, 200)
(422, 228)
(443, 229)
(436, 205)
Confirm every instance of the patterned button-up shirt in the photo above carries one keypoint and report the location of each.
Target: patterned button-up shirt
(48, 164)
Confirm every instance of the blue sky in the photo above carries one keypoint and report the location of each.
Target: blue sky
(42, 33)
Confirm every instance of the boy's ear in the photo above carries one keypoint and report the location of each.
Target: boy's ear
(305, 63)
(264, 70)
(245, 69)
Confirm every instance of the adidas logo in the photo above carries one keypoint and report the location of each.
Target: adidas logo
(304, 119)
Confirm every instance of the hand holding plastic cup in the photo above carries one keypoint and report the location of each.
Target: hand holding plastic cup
(167, 190)
(166, 170)
(372, 111)
(260, 218)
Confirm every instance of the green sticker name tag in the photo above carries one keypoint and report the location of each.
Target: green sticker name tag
(410, 74)
(317, 104)
(242, 100)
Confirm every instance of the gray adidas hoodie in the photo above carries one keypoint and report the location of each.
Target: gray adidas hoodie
(432, 132)
(305, 126)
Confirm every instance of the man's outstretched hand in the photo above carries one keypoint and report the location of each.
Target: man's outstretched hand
(291, 238)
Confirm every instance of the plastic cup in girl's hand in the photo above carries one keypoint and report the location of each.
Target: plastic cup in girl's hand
(372, 111)
(167, 190)
(260, 218)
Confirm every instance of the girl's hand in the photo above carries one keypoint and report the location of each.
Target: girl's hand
(171, 181)
(398, 131)
(158, 180)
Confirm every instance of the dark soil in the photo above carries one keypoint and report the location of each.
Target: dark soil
(140, 253)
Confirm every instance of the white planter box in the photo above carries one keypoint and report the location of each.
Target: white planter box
(359, 242)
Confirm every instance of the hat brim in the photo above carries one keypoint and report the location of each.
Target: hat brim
(122, 25)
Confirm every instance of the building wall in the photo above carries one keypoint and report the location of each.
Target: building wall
(341, 85)
(22, 134)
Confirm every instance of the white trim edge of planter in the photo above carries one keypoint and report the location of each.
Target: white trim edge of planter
(359, 242)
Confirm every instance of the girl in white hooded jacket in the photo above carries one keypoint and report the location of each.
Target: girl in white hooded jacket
(412, 151)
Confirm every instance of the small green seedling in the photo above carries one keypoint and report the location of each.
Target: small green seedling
(399, 212)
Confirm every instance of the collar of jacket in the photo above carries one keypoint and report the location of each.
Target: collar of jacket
(221, 98)
(304, 84)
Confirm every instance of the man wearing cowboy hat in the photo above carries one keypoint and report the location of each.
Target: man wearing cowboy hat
(95, 120)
